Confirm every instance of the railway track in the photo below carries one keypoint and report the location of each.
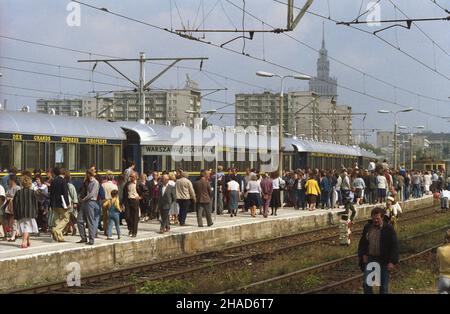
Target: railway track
(355, 280)
(124, 280)
(340, 272)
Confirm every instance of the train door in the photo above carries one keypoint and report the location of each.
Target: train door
(132, 152)
(302, 160)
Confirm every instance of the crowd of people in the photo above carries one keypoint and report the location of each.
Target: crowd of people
(50, 202)
(37, 202)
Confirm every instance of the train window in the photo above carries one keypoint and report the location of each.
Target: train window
(209, 165)
(42, 155)
(18, 155)
(195, 166)
(51, 155)
(99, 162)
(93, 155)
(117, 157)
(85, 152)
(5, 156)
(31, 155)
(71, 157)
(60, 155)
(108, 162)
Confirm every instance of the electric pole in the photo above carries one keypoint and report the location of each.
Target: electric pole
(142, 85)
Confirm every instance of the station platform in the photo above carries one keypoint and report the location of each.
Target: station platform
(46, 260)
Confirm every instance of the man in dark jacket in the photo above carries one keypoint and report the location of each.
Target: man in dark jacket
(166, 198)
(203, 190)
(59, 201)
(377, 252)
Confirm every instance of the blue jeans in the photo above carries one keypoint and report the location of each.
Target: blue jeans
(384, 277)
(416, 191)
(406, 193)
(300, 198)
(113, 217)
(325, 199)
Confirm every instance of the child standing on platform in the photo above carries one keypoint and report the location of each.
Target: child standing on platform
(114, 210)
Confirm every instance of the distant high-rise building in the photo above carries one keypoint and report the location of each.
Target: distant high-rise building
(323, 84)
(260, 109)
(161, 105)
(63, 107)
(98, 107)
(385, 139)
(304, 115)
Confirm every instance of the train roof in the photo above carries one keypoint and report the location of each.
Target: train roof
(149, 134)
(154, 134)
(46, 124)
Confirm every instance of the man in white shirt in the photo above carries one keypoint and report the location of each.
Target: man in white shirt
(445, 197)
(371, 166)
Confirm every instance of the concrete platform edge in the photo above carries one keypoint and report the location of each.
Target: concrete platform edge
(50, 267)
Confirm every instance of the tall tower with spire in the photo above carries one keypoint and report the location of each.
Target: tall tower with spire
(323, 84)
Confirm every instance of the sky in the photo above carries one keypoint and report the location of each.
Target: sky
(423, 68)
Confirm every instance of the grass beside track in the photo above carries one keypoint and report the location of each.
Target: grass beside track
(255, 270)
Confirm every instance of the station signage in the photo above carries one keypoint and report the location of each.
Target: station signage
(170, 150)
(57, 139)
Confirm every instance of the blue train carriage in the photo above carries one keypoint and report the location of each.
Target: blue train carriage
(326, 155)
(153, 147)
(31, 141)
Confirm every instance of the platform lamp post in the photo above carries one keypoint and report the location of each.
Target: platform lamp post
(395, 129)
(280, 131)
(403, 127)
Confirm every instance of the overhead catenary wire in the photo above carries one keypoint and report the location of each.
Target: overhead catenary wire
(61, 76)
(347, 65)
(367, 11)
(41, 90)
(420, 29)
(154, 63)
(415, 59)
(227, 16)
(228, 49)
(61, 66)
(361, 72)
(440, 6)
(20, 95)
(239, 53)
